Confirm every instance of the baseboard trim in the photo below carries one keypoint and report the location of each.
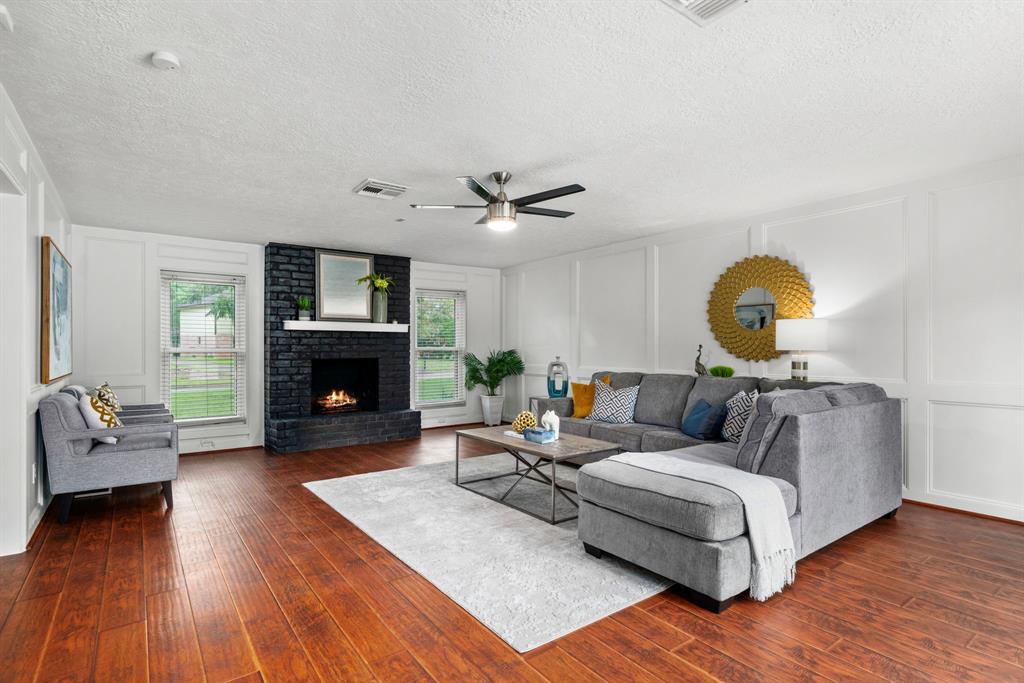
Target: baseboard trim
(968, 513)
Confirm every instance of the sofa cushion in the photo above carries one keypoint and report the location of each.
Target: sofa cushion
(704, 421)
(613, 405)
(717, 390)
(629, 436)
(692, 508)
(619, 380)
(764, 385)
(765, 421)
(133, 442)
(853, 394)
(577, 426)
(666, 440)
(583, 397)
(662, 398)
(737, 412)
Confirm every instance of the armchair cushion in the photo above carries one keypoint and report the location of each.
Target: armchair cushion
(133, 442)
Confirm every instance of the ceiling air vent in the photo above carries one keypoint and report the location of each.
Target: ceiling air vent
(379, 189)
(703, 12)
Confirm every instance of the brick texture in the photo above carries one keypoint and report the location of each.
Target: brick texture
(290, 272)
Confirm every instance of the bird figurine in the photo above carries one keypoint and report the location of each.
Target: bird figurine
(698, 367)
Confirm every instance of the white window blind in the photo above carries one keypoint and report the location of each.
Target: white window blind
(440, 345)
(202, 340)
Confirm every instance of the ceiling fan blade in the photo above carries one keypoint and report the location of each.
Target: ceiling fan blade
(448, 206)
(554, 213)
(548, 194)
(474, 186)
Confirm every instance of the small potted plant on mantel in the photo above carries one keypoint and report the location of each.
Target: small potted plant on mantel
(499, 365)
(379, 284)
(305, 305)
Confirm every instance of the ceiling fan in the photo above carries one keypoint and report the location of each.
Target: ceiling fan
(502, 211)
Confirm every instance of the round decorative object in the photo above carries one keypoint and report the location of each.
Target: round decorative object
(785, 284)
(523, 420)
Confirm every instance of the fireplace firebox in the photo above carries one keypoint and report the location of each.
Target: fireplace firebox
(343, 385)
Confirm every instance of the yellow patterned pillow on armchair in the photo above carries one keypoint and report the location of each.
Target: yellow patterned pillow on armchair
(98, 416)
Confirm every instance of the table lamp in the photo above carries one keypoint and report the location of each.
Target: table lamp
(798, 335)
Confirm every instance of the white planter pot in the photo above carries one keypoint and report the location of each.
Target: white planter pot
(492, 409)
(303, 315)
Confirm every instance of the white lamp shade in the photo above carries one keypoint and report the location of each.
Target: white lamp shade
(801, 334)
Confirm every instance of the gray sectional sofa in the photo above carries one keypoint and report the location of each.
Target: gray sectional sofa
(834, 451)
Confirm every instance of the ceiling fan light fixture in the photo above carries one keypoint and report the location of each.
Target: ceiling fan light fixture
(501, 216)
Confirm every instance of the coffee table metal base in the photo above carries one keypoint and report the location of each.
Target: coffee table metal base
(530, 468)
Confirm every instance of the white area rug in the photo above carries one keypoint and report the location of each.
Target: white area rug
(526, 580)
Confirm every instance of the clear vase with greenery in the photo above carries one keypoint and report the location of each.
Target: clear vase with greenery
(379, 284)
(489, 375)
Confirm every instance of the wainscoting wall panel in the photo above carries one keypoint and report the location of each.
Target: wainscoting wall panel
(922, 284)
(611, 290)
(975, 272)
(856, 260)
(687, 271)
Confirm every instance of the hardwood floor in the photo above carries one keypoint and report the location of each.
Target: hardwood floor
(251, 577)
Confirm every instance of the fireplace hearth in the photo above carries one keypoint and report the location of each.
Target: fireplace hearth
(343, 385)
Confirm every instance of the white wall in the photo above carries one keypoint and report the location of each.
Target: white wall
(923, 285)
(483, 325)
(117, 318)
(30, 207)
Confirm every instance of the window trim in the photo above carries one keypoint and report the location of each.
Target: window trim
(460, 352)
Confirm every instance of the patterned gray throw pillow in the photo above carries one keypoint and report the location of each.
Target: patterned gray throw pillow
(613, 406)
(737, 412)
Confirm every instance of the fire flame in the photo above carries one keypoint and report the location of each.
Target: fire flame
(337, 399)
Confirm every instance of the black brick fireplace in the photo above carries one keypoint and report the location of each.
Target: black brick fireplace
(303, 367)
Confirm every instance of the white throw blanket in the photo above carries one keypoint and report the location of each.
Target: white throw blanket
(772, 553)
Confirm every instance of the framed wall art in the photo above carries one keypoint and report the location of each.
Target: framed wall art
(55, 339)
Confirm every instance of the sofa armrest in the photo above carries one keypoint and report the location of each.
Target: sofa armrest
(144, 406)
(847, 466)
(561, 406)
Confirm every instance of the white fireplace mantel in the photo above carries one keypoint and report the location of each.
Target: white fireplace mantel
(343, 326)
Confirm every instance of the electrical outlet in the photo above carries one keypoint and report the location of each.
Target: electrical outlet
(34, 475)
(206, 444)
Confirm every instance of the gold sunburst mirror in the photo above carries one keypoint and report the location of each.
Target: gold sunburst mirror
(747, 300)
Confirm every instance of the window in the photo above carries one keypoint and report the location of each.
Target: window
(202, 340)
(440, 344)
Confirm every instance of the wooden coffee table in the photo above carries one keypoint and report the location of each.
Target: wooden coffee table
(532, 457)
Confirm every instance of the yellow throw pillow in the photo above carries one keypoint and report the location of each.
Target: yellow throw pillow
(583, 397)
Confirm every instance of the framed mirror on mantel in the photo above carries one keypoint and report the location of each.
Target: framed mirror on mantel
(749, 297)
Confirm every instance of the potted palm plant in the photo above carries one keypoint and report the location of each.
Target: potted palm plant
(379, 284)
(489, 375)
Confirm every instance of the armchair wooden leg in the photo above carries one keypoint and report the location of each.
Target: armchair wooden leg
(168, 495)
(593, 550)
(891, 513)
(64, 506)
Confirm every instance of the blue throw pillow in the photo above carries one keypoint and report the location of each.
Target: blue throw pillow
(704, 421)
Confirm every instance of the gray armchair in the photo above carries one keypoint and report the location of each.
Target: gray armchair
(144, 453)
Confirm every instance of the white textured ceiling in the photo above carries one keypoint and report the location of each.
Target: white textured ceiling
(281, 108)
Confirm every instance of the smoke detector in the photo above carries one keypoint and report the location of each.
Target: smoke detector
(165, 61)
(379, 189)
(703, 12)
